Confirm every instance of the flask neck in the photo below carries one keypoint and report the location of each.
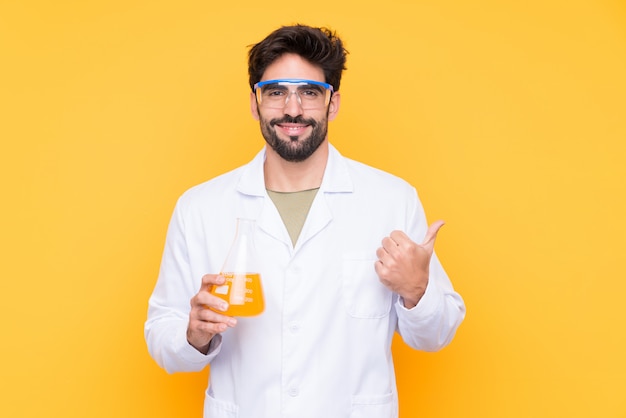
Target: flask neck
(241, 257)
(245, 226)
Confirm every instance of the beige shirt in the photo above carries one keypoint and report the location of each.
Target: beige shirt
(293, 208)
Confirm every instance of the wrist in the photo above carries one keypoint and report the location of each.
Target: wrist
(200, 345)
(411, 301)
(204, 349)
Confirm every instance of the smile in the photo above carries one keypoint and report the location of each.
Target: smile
(292, 129)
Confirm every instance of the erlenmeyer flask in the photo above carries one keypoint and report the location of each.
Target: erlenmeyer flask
(242, 289)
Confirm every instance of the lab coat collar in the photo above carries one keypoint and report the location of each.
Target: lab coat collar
(336, 177)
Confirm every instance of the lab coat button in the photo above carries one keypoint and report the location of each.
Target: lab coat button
(293, 392)
(294, 328)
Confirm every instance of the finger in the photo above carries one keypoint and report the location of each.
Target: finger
(208, 315)
(204, 299)
(216, 304)
(385, 259)
(389, 245)
(211, 328)
(381, 269)
(210, 279)
(399, 237)
(431, 234)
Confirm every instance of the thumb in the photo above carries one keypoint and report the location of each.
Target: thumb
(431, 234)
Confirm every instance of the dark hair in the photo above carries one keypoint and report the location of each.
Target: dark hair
(319, 46)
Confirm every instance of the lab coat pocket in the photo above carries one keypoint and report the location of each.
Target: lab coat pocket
(379, 406)
(365, 296)
(215, 408)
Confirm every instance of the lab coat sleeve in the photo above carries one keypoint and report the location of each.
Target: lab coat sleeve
(432, 323)
(168, 308)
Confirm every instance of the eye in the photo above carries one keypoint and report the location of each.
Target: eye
(274, 92)
(310, 92)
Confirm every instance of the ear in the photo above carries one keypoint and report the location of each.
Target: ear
(333, 106)
(254, 107)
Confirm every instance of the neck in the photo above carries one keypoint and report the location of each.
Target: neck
(287, 176)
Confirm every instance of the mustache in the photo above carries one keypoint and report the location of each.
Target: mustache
(291, 119)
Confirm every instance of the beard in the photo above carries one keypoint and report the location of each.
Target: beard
(296, 149)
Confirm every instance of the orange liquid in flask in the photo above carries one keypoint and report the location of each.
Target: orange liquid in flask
(243, 293)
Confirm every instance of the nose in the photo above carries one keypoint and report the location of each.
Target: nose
(292, 104)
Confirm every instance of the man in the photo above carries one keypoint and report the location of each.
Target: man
(341, 266)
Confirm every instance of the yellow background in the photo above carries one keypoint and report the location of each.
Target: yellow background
(509, 118)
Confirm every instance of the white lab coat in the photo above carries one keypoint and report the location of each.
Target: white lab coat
(322, 347)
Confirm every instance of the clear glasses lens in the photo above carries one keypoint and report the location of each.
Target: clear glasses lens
(276, 94)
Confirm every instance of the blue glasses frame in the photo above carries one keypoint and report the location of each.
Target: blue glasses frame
(295, 81)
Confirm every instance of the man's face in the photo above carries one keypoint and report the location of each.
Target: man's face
(292, 132)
